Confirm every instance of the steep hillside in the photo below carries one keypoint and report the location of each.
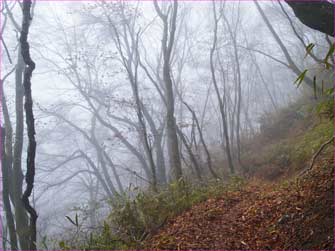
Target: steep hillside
(280, 206)
(292, 215)
(278, 203)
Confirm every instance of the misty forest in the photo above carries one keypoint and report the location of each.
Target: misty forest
(167, 125)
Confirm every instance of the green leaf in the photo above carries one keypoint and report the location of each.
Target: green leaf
(77, 224)
(314, 86)
(62, 244)
(67, 217)
(309, 48)
(330, 91)
(44, 242)
(300, 78)
(329, 54)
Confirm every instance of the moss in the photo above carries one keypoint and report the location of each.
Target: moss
(289, 139)
(306, 145)
(296, 151)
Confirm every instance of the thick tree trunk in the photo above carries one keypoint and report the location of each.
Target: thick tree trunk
(21, 217)
(318, 15)
(30, 173)
(171, 127)
(172, 139)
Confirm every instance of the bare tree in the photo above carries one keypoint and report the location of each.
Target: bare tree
(6, 165)
(130, 60)
(14, 147)
(233, 36)
(202, 139)
(104, 177)
(220, 101)
(291, 64)
(168, 37)
(30, 174)
(296, 33)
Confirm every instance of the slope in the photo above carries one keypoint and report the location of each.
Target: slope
(293, 215)
(278, 207)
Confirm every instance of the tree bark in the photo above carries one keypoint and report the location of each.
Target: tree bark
(300, 38)
(239, 89)
(287, 55)
(221, 104)
(21, 218)
(5, 193)
(171, 127)
(318, 15)
(30, 173)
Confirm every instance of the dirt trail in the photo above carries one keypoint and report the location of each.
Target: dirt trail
(292, 215)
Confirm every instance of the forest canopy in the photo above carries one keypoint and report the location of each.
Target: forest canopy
(117, 116)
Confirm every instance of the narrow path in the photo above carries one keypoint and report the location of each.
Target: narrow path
(292, 215)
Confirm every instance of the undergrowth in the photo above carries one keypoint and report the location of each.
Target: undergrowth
(287, 141)
(133, 219)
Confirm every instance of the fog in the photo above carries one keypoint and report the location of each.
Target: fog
(102, 100)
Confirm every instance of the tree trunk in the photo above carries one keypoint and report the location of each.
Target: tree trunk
(190, 153)
(208, 156)
(318, 15)
(21, 217)
(30, 173)
(101, 154)
(287, 55)
(221, 105)
(239, 89)
(171, 127)
(5, 193)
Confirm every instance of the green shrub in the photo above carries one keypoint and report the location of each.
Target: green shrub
(105, 240)
(290, 141)
(326, 108)
(135, 218)
(306, 145)
(132, 219)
